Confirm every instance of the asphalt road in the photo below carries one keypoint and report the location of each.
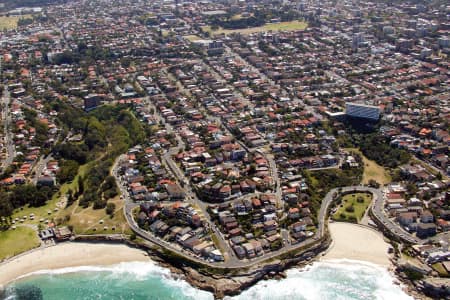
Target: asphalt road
(9, 142)
(232, 261)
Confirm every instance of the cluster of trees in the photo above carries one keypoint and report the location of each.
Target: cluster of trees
(22, 195)
(77, 152)
(41, 136)
(24, 21)
(110, 209)
(107, 125)
(322, 181)
(377, 148)
(68, 169)
(107, 131)
(237, 23)
(97, 185)
(258, 18)
(85, 53)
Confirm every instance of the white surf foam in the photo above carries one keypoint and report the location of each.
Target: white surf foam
(341, 279)
(139, 271)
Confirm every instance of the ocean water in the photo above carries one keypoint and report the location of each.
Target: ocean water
(336, 280)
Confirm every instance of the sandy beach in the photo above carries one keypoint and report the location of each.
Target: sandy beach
(356, 242)
(68, 255)
(350, 241)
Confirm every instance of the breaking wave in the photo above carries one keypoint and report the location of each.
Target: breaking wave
(333, 279)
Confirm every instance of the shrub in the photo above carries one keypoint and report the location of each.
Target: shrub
(413, 275)
(98, 204)
(350, 209)
(110, 208)
(352, 219)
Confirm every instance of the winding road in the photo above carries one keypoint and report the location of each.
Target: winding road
(231, 261)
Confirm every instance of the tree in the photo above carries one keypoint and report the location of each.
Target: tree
(70, 198)
(373, 183)
(80, 185)
(110, 209)
(6, 209)
(350, 209)
(67, 171)
(411, 188)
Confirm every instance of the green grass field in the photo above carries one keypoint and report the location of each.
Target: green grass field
(282, 26)
(16, 241)
(11, 22)
(192, 37)
(372, 170)
(56, 202)
(351, 200)
(93, 221)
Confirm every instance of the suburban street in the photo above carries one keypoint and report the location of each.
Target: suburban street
(231, 261)
(6, 117)
(40, 166)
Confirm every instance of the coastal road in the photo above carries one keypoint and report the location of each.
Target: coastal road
(128, 208)
(377, 208)
(232, 261)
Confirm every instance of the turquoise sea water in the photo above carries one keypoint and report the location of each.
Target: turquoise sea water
(334, 280)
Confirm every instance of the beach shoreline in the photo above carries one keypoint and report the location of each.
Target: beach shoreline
(357, 242)
(350, 242)
(66, 255)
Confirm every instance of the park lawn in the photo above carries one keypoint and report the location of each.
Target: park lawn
(372, 170)
(286, 26)
(16, 241)
(192, 37)
(165, 33)
(282, 26)
(56, 202)
(236, 17)
(8, 22)
(87, 220)
(359, 208)
(11, 22)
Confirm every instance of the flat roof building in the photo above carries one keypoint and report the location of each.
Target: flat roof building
(363, 111)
